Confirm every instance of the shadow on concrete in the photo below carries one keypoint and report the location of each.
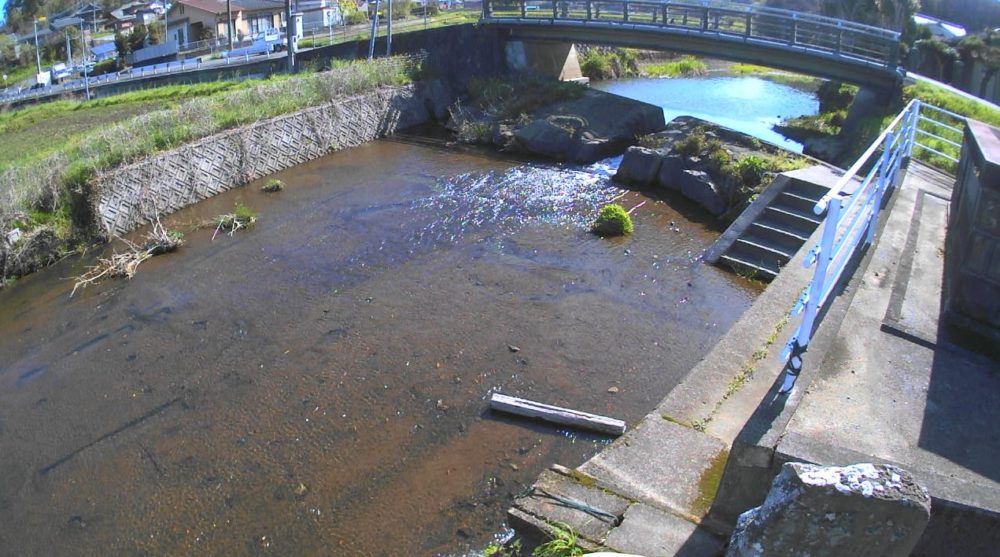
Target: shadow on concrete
(963, 403)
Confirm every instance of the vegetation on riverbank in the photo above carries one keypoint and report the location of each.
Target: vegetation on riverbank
(496, 102)
(49, 186)
(686, 66)
(613, 220)
(800, 81)
(598, 62)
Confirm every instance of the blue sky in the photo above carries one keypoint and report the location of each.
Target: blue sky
(3, 10)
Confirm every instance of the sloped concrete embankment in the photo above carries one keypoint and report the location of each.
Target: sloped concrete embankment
(130, 196)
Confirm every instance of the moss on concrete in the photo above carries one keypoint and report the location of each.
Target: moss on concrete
(708, 484)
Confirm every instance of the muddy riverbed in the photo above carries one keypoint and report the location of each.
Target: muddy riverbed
(316, 385)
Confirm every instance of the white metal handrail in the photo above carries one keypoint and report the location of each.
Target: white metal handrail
(852, 209)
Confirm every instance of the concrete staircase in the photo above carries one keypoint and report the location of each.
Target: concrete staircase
(771, 231)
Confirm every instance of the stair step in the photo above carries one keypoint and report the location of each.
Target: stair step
(798, 230)
(740, 263)
(808, 190)
(795, 201)
(789, 239)
(801, 220)
(764, 248)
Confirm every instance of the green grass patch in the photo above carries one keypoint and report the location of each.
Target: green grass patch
(613, 220)
(272, 186)
(686, 66)
(563, 543)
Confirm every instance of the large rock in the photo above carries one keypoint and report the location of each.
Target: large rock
(591, 127)
(639, 166)
(684, 175)
(698, 186)
(543, 137)
(854, 511)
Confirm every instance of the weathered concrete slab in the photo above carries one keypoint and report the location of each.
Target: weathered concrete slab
(655, 533)
(556, 498)
(829, 511)
(660, 462)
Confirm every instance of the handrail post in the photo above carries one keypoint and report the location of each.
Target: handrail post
(555, 9)
(704, 18)
(589, 10)
(914, 122)
(665, 14)
(625, 11)
(883, 181)
(487, 9)
(840, 37)
(795, 29)
(747, 31)
(524, 12)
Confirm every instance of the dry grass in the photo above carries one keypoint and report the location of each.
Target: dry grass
(126, 263)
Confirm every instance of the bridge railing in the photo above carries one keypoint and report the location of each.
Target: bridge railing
(852, 209)
(735, 21)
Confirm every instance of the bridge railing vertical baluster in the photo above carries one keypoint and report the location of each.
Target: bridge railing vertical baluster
(524, 8)
(555, 9)
(840, 37)
(665, 14)
(704, 17)
(589, 10)
(795, 30)
(746, 32)
(625, 12)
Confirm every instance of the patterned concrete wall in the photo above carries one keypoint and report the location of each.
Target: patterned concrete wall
(134, 195)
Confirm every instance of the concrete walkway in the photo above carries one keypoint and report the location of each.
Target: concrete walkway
(883, 381)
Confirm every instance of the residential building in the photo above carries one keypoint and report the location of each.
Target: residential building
(194, 20)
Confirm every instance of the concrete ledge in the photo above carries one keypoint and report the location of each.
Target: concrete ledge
(651, 532)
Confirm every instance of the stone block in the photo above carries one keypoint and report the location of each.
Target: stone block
(863, 510)
(639, 166)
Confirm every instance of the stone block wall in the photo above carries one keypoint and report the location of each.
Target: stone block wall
(128, 197)
(972, 263)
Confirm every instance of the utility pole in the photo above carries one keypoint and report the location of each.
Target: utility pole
(388, 38)
(289, 38)
(69, 48)
(371, 44)
(38, 56)
(229, 21)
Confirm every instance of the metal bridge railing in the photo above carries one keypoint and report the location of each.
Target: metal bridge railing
(781, 28)
(852, 210)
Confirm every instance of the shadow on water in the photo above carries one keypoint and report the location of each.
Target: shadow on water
(316, 385)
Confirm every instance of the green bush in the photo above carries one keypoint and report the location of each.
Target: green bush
(693, 144)
(613, 220)
(751, 170)
(104, 67)
(686, 66)
(596, 65)
(356, 18)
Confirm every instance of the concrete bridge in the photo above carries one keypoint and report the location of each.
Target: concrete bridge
(799, 42)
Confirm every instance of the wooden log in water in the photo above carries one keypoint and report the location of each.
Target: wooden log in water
(555, 414)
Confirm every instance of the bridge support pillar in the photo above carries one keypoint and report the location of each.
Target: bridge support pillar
(548, 58)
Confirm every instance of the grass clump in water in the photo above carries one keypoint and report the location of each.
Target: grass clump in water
(613, 220)
(241, 217)
(272, 186)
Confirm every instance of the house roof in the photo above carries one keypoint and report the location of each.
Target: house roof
(219, 6)
(103, 48)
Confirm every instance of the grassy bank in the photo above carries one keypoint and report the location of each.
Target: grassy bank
(684, 67)
(46, 183)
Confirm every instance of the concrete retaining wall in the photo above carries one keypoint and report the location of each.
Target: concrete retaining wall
(131, 196)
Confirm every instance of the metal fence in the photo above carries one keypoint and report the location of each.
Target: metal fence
(852, 209)
(767, 25)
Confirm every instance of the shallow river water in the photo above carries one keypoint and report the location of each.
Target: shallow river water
(751, 105)
(315, 385)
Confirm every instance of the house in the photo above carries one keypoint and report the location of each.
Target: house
(128, 15)
(940, 29)
(104, 51)
(195, 20)
(319, 13)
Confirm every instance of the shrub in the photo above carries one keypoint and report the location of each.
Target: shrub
(104, 67)
(356, 18)
(613, 220)
(692, 145)
(686, 66)
(596, 65)
(751, 170)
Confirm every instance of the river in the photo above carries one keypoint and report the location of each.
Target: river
(752, 105)
(316, 385)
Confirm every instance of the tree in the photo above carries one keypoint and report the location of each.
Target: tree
(137, 39)
(156, 32)
(122, 46)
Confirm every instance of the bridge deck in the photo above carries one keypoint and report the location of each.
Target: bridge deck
(795, 41)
